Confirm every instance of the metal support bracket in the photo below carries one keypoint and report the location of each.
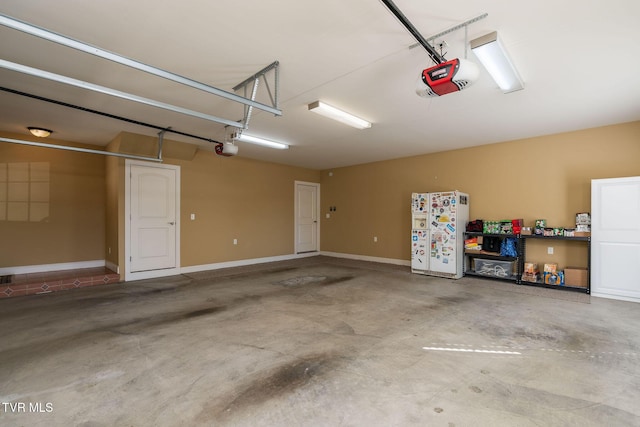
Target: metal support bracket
(249, 109)
(161, 141)
(252, 83)
(275, 66)
(452, 29)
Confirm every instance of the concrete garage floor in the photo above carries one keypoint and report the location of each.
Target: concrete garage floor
(318, 342)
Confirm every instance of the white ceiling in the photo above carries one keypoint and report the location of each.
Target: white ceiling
(579, 60)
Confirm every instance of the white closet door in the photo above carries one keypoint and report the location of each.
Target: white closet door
(307, 213)
(615, 238)
(153, 218)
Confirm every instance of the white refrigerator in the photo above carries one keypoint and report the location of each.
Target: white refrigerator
(438, 221)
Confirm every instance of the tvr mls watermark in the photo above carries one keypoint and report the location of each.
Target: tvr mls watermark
(27, 407)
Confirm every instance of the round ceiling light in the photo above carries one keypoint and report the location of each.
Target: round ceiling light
(40, 132)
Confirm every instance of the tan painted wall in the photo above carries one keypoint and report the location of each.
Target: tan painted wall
(248, 200)
(547, 177)
(75, 228)
(232, 198)
(235, 198)
(252, 201)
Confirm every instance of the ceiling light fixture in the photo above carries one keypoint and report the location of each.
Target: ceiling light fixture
(492, 54)
(39, 132)
(259, 141)
(339, 115)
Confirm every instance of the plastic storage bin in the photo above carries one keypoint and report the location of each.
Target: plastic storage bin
(493, 268)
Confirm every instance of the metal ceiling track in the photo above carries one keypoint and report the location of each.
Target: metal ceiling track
(25, 27)
(111, 92)
(87, 150)
(161, 134)
(109, 115)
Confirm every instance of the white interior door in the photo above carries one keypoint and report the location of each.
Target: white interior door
(153, 218)
(615, 238)
(307, 213)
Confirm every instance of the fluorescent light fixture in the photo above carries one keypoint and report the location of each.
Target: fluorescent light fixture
(39, 132)
(492, 54)
(339, 115)
(259, 141)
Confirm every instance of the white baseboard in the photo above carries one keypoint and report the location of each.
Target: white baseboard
(111, 266)
(367, 258)
(244, 262)
(151, 274)
(191, 269)
(43, 268)
(618, 297)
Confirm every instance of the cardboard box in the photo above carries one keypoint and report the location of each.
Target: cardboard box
(525, 231)
(530, 273)
(582, 234)
(550, 268)
(576, 276)
(583, 218)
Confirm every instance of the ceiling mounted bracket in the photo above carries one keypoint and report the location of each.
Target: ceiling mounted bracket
(464, 25)
(25, 27)
(161, 141)
(275, 99)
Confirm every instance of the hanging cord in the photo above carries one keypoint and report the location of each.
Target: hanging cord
(109, 115)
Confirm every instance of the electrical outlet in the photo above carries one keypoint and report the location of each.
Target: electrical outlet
(193, 216)
(375, 238)
(550, 250)
(235, 241)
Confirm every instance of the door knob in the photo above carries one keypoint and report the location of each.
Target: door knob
(171, 223)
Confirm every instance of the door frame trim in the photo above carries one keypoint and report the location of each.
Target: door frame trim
(295, 215)
(151, 274)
